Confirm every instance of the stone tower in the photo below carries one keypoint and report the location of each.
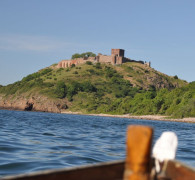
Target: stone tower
(118, 52)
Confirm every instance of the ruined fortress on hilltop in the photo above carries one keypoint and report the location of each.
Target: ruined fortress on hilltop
(116, 58)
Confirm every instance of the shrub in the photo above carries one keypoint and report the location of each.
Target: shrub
(88, 62)
(98, 66)
(91, 71)
(73, 65)
(175, 77)
(60, 90)
(31, 77)
(110, 72)
(73, 89)
(48, 84)
(39, 81)
(88, 87)
(60, 69)
(45, 71)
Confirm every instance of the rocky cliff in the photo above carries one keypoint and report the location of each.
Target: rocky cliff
(34, 103)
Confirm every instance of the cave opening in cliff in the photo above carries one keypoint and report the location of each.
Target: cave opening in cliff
(29, 107)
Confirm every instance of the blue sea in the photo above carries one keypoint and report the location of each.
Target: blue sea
(34, 141)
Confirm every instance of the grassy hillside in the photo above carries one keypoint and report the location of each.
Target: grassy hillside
(129, 88)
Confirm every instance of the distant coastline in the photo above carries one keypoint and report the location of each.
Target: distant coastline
(129, 116)
(144, 117)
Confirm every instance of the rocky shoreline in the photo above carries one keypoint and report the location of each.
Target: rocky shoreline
(144, 117)
(35, 103)
(44, 104)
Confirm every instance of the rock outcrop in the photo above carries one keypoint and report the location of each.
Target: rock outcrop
(35, 103)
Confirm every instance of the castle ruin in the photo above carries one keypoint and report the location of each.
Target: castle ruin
(116, 58)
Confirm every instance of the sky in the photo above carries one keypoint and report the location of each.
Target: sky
(38, 33)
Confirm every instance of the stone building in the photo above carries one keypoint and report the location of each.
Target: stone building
(116, 58)
(76, 61)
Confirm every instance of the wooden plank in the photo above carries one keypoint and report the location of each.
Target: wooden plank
(101, 171)
(139, 140)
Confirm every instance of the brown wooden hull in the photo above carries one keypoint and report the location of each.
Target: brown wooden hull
(101, 171)
(175, 170)
(172, 170)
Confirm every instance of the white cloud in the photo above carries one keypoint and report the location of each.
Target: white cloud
(32, 43)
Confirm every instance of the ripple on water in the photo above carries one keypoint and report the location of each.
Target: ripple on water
(16, 167)
(32, 141)
(48, 134)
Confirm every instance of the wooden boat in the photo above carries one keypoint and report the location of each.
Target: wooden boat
(137, 166)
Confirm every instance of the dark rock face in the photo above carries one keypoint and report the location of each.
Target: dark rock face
(158, 82)
(29, 106)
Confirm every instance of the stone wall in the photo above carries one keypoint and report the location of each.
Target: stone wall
(117, 57)
(104, 59)
(68, 63)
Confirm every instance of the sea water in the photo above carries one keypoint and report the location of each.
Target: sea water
(33, 141)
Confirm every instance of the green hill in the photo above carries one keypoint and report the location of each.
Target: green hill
(101, 88)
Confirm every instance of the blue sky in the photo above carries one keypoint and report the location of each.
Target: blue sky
(35, 34)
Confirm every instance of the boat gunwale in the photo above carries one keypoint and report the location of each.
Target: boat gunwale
(64, 170)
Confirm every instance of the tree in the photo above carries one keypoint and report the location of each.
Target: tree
(76, 55)
(73, 89)
(61, 90)
(86, 54)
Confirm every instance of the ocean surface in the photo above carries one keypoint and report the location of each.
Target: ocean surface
(34, 141)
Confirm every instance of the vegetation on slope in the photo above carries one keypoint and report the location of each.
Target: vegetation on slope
(131, 88)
